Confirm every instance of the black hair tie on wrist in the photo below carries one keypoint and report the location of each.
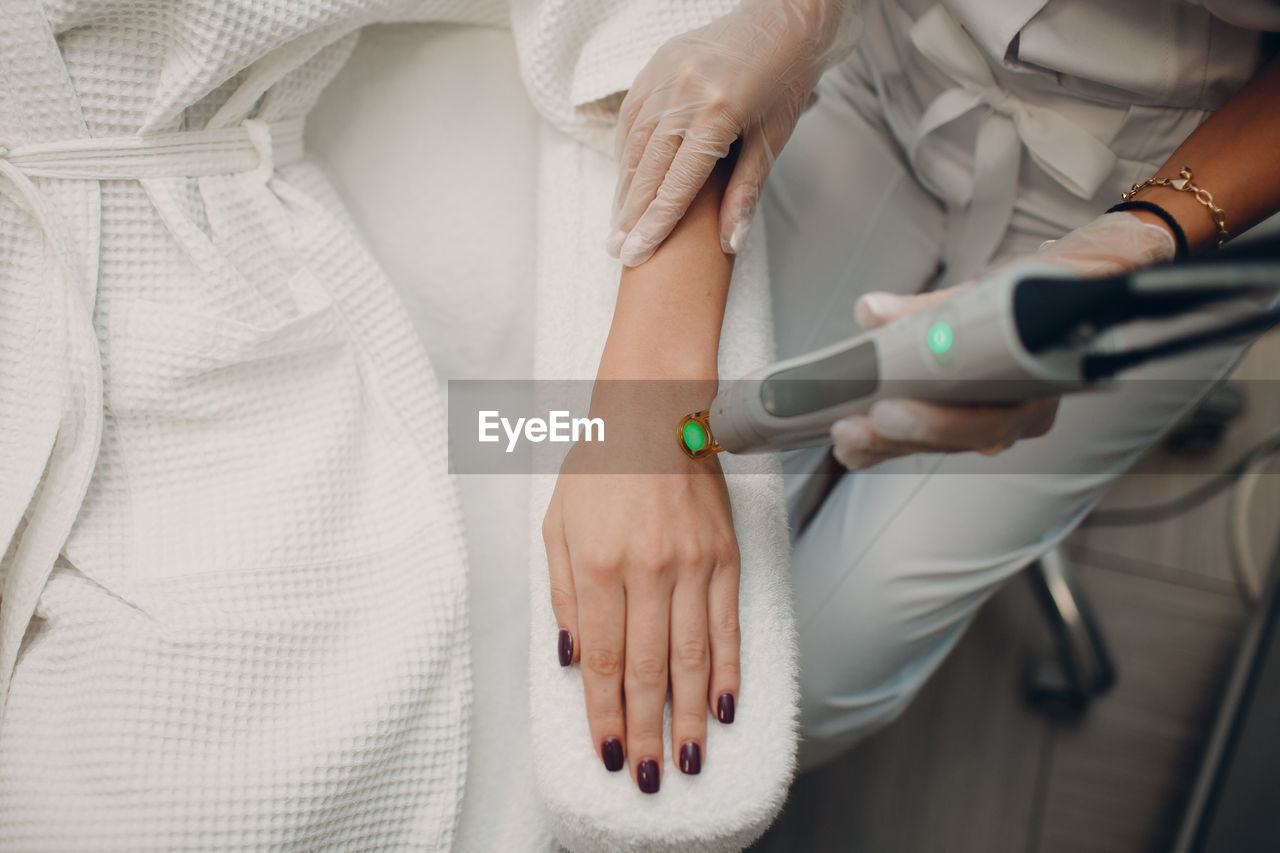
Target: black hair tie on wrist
(1179, 236)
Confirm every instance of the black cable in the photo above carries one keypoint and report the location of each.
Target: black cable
(1197, 496)
(1107, 364)
(1103, 365)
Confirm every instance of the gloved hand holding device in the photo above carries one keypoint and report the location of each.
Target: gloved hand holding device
(1206, 166)
(1113, 243)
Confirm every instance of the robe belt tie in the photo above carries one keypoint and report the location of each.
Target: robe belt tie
(60, 422)
(982, 210)
(253, 146)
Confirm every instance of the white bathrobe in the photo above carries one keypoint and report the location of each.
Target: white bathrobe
(233, 604)
(234, 610)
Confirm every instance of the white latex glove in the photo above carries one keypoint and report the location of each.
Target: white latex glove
(1110, 244)
(748, 76)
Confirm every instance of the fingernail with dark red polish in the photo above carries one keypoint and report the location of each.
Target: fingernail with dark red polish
(611, 752)
(647, 776)
(566, 648)
(724, 708)
(691, 758)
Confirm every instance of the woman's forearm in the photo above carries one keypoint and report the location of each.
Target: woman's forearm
(644, 569)
(1233, 156)
(666, 324)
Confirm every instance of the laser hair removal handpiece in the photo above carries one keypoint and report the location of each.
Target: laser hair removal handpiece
(1027, 331)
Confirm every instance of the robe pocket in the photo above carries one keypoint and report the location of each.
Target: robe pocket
(245, 448)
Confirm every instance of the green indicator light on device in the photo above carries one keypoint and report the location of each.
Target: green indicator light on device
(695, 437)
(939, 337)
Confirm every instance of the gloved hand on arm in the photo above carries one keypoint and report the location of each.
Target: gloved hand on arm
(748, 76)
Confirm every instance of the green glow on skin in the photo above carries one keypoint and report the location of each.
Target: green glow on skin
(695, 437)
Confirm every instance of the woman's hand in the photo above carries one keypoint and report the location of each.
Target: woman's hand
(644, 585)
(1112, 243)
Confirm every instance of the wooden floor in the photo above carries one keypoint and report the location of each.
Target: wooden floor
(969, 767)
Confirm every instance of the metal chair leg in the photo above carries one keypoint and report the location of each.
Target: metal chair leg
(1064, 681)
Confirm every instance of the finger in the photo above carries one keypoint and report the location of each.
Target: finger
(644, 682)
(879, 307)
(861, 461)
(564, 599)
(647, 157)
(674, 189)
(755, 160)
(690, 673)
(602, 609)
(854, 440)
(628, 112)
(725, 635)
(916, 423)
(858, 445)
(634, 148)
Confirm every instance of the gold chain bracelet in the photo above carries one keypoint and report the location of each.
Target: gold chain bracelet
(1184, 183)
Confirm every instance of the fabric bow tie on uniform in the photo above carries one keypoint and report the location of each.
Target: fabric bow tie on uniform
(982, 202)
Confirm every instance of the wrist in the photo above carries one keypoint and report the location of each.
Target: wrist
(1156, 223)
(1176, 208)
(821, 31)
(642, 419)
(1193, 217)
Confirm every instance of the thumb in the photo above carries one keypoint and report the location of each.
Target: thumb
(743, 191)
(760, 147)
(879, 307)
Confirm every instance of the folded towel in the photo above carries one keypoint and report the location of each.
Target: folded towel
(749, 763)
(574, 58)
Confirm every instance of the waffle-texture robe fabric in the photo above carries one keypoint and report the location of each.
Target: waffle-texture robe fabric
(234, 601)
